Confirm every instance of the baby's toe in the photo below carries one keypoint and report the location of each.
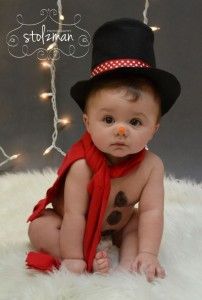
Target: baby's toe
(104, 267)
(102, 261)
(104, 264)
(101, 254)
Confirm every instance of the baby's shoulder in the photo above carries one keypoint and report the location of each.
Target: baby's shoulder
(80, 168)
(152, 160)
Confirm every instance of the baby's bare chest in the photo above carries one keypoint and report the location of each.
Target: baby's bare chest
(124, 194)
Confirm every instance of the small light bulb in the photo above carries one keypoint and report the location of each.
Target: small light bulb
(154, 28)
(14, 156)
(62, 17)
(45, 64)
(51, 46)
(48, 150)
(64, 121)
(45, 95)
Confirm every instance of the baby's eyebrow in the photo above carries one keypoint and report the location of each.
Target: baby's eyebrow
(106, 109)
(133, 113)
(139, 114)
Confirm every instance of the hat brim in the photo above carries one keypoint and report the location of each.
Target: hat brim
(166, 83)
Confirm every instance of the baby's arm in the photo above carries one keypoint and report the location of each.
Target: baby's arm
(151, 210)
(75, 207)
(150, 227)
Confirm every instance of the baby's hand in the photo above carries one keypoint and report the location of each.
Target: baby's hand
(77, 266)
(148, 264)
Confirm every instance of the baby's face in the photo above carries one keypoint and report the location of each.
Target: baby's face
(109, 109)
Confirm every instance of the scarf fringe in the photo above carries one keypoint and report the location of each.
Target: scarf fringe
(42, 261)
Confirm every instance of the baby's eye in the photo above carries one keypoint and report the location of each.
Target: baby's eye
(136, 122)
(108, 119)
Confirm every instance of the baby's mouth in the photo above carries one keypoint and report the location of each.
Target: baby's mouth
(118, 144)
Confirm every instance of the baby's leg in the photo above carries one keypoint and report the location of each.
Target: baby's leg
(44, 233)
(127, 241)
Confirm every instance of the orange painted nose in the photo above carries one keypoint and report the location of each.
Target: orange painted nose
(122, 130)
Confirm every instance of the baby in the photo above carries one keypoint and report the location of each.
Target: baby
(121, 113)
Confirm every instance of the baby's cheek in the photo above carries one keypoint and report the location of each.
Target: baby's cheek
(137, 146)
(99, 141)
(140, 141)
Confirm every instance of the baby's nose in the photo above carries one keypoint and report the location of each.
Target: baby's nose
(121, 130)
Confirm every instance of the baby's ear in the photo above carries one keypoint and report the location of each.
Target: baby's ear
(85, 121)
(156, 128)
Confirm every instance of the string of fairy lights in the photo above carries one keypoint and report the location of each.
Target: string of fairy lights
(51, 95)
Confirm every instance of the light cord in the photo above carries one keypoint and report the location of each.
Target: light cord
(53, 87)
(145, 12)
(8, 158)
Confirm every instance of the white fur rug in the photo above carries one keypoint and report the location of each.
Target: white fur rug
(180, 254)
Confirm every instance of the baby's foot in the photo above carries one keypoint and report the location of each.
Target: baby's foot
(123, 267)
(101, 262)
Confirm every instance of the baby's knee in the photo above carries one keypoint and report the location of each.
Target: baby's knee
(49, 219)
(34, 227)
(43, 235)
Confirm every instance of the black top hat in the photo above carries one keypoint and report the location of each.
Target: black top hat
(126, 46)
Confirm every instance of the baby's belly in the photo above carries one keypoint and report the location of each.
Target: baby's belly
(118, 212)
(116, 219)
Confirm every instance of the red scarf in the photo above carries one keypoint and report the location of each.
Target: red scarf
(98, 189)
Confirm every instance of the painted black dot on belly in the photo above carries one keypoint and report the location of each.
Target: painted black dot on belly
(121, 200)
(114, 217)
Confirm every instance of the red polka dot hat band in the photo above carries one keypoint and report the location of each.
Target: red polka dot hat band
(125, 46)
(118, 63)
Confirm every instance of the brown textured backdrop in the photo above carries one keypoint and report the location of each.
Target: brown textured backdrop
(26, 123)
